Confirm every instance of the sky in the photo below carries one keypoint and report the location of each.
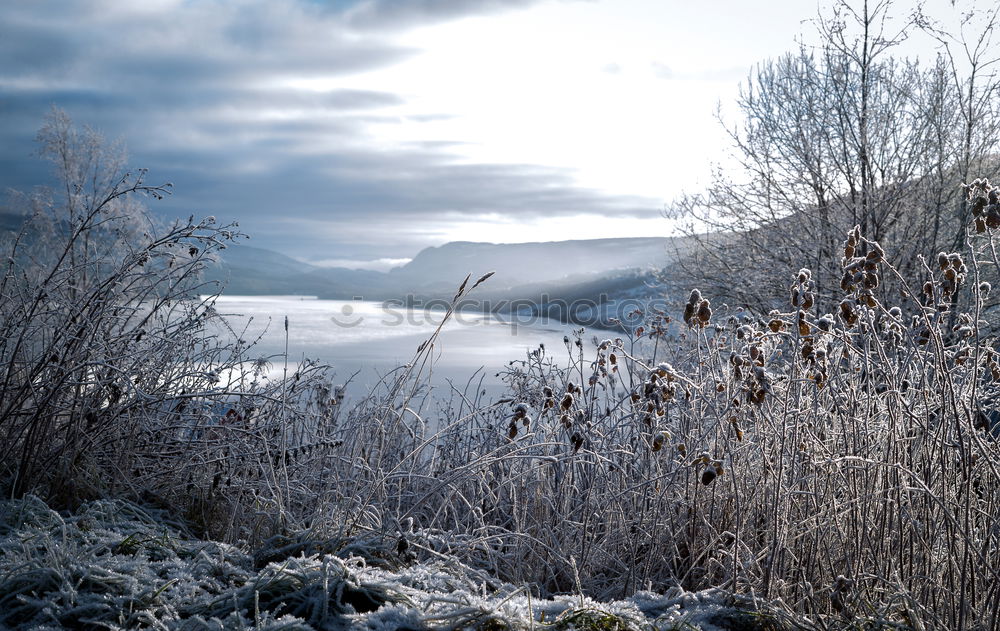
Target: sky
(356, 133)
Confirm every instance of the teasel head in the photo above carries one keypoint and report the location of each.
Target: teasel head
(847, 281)
(928, 291)
(851, 244)
(847, 312)
(808, 300)
(825, 322)
(735, 422)
(978, 205)
(658, 439)
(704, 312)
(803, 325)
(870, 280)
(712, 472)
(866, 297)
(567, 402)
(667, 392)
(689, 310)
(663, 370)
(993, 216)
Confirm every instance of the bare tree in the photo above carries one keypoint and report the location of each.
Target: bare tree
(835, 136)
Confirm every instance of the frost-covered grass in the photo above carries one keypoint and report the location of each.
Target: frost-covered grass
(845, 465)
(116, 565)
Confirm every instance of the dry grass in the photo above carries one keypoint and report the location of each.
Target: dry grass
(845, 464)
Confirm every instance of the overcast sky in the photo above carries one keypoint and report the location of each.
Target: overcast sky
(358, 132)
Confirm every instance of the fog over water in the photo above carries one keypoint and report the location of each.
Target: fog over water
(374, 338)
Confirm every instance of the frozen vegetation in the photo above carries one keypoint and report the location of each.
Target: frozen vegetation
(835, 470)
(116, 565)
(821, 454)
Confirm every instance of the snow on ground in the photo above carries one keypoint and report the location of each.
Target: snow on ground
(116, 565)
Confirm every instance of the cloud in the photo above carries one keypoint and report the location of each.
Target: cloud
(399, 14)
(253, 111)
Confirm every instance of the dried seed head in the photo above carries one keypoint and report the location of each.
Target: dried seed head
(803, 325)
(567, 402)
(689, 310)
(658, 440)
(847, 312)
(825, 323)
(704, 312)
(808, 299)
(993, 216)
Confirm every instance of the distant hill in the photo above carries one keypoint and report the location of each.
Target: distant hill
(437, 271)
(518, 264)
(538, 273)
(530, 277)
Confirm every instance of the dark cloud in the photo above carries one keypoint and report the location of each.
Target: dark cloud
(396, 14)
(204, 94)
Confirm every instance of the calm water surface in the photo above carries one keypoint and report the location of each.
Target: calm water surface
(373, 338)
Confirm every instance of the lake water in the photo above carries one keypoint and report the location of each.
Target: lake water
(374, 338)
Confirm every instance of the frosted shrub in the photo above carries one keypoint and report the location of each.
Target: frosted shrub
(111, 380)
(846, 465)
